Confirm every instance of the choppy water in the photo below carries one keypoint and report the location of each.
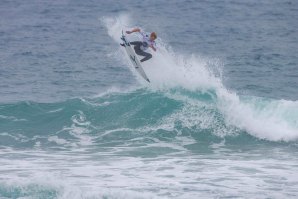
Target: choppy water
(219, 120)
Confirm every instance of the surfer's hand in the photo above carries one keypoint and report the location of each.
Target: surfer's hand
(153, 48)
(128, 32)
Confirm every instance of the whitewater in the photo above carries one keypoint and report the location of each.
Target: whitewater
(84, 124)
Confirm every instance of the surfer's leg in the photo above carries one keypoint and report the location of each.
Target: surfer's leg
(142, 53)
(136, 43)
(138, 51)
(138, 48)
(147, 56)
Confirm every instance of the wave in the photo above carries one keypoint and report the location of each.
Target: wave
(145, 116)
(264, 118)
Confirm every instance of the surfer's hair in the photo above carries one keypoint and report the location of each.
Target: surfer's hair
(153, 34)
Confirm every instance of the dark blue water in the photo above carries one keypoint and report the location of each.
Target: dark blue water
(219, 118)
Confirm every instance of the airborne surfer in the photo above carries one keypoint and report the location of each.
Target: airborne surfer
(140, 47)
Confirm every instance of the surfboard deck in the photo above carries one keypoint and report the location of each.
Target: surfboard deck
(133, 58)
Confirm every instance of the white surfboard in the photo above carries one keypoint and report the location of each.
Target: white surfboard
(133, 58)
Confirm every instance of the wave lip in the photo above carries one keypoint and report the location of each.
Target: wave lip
(274, 120)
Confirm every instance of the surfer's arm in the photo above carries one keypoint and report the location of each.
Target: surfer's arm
(153, 47)
(134, 30)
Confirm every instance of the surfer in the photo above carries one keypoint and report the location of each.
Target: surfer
(140, 47)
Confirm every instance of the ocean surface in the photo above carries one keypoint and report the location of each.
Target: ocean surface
(218, 120)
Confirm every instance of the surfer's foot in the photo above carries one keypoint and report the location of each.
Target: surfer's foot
(122, 45)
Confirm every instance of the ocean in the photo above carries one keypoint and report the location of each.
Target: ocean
(218, 120)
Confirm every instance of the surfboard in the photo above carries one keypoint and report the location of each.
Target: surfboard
(133, 58)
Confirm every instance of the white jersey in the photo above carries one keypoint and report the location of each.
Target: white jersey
(146, 41)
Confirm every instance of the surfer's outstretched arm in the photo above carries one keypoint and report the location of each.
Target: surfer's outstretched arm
(134, 30)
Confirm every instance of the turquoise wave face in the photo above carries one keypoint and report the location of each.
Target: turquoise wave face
(31, 191)
(133, 118)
